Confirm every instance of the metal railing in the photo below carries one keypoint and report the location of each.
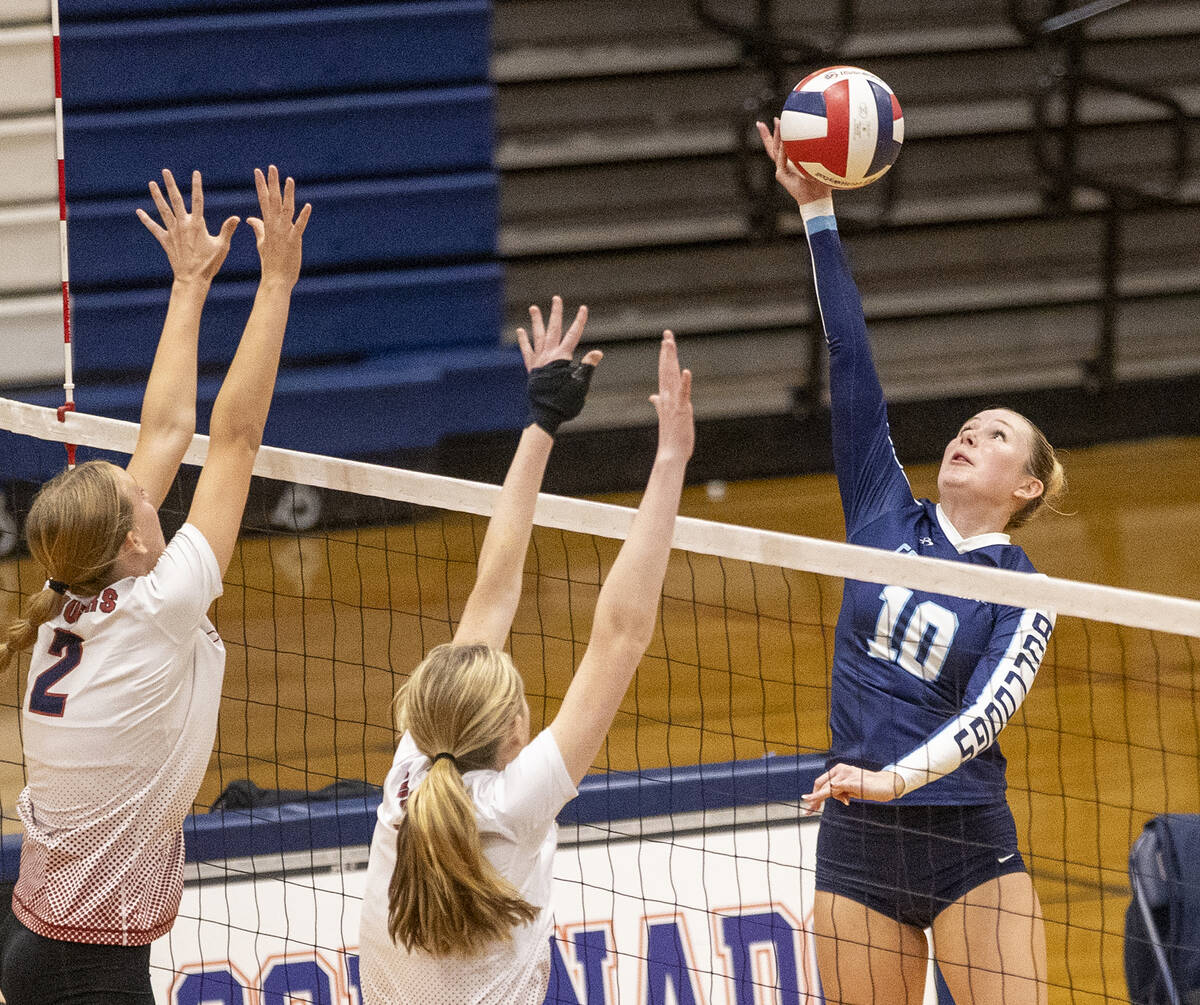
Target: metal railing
(1058, 34)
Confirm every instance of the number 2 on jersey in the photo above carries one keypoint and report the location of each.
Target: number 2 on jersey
(917, 637)
(42, 700)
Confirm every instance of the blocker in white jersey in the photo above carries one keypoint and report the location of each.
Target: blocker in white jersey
(119, 719)
(514, 810)
(125, 676)
(456, 909)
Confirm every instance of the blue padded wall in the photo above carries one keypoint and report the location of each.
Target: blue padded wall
(363, 315)
(402, 400)
(396, 221)
(384, 114)
(343, 137)
(261, 54)
(82, 11)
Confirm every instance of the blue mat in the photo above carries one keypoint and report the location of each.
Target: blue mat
(354, 224)
(315, 139)
(257, 54)
(346, 316)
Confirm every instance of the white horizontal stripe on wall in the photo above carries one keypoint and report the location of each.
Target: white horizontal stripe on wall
(28, 166)
(31, 340)
(26, 70)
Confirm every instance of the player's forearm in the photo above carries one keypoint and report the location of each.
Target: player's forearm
(628, 603)
(857, 406)
(837, 295)
(1002, 686)
(169, 404)
(240, 411)
(502, 556)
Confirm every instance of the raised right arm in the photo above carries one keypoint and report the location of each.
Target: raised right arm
(488, 614)
(168, 419)
(240, 411)
(628, 603)
(870, 478)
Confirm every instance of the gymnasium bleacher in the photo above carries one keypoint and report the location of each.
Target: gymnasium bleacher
(620, 133)
(608, 158)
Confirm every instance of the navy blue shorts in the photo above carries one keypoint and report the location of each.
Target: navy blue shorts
(911, 862)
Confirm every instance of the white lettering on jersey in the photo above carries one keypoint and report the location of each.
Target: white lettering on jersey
(975, 729)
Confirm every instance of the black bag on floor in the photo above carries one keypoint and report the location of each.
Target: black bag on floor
(1162, 925)
(243, 794)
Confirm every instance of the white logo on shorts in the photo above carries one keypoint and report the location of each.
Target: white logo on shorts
(1005, 858)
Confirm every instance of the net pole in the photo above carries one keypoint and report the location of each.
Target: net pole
(64, 267)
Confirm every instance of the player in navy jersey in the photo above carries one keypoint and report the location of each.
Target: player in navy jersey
(915, 830)
(124, 682)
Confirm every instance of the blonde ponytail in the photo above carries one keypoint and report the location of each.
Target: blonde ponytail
(1047, 468)
(21, 634)
(75, 530)
(445, 898)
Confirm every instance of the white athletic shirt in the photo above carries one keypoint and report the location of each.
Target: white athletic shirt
(116, 748)
(515, 809)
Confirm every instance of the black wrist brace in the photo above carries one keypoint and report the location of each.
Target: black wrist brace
(557, 391)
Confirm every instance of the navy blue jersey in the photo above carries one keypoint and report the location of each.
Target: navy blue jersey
(922, 682)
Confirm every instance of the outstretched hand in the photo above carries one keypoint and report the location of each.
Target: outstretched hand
(557, 385)
(800, 186)
(279, 232)
(193, 252)
(548, 342)
(673, 402)
(844, 782)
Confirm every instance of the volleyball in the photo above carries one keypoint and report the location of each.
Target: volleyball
(842, 126)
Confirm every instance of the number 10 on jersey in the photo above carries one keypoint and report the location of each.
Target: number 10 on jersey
(915, 636)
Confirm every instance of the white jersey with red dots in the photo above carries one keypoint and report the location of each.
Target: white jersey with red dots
(119, 720)
(515, 810)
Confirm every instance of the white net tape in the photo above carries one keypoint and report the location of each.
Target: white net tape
(1131, 608)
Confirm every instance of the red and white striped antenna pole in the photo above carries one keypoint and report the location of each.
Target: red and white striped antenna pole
(69, 367)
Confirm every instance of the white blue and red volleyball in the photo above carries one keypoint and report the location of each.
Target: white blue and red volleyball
(842, 126)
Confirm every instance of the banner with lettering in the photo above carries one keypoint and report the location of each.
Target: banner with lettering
(719, 916)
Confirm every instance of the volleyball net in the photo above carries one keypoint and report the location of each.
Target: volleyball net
(685, 867)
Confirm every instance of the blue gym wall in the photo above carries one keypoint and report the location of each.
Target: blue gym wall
(384, 115)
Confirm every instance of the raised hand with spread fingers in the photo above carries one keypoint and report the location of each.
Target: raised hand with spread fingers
(279, 231)
(557, 386)
(240, 412)
(168, 419)
(193, 252)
